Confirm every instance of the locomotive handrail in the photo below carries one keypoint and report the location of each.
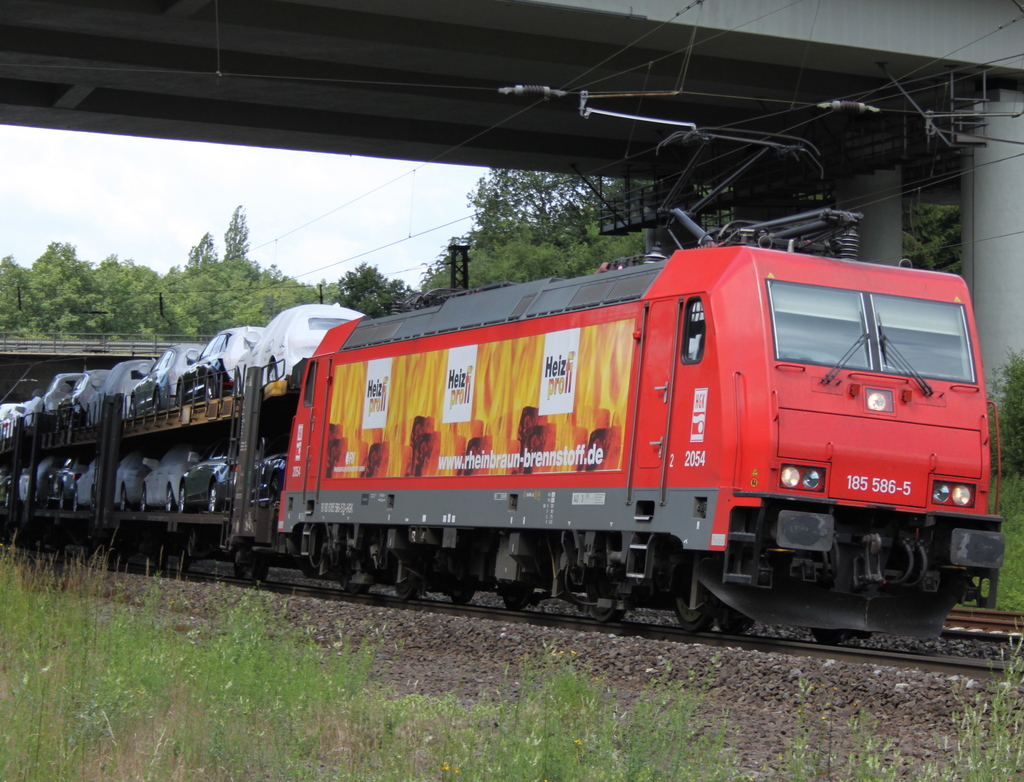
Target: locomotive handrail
(999, 453)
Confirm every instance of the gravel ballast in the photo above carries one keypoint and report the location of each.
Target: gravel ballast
(764, 700)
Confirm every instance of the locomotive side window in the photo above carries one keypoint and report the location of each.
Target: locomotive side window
(694, 332)
(930, 335)
(819, 325)
(307, 397)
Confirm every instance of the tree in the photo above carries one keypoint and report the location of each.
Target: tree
(236, 238)
(61, 293)
(531, 225)
(1008, 391)
(931, 236)
(130, 294)
(13, 284)
(366, 290)
(203, 254)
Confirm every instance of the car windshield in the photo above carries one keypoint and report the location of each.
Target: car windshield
(323, 324)
(215, 345)
(818, 325)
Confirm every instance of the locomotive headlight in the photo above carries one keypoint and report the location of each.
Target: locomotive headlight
(795, 476)
(790, 476)
(962, 495)
(812, 479)
(959, 494)
(879, 400)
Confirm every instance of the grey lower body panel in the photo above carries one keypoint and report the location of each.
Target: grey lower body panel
(686, 514)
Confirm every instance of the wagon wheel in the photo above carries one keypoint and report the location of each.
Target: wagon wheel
(461, 594)
(252, 567)
(516, 596)
(831, 636)
(693, 620)
(734, 622)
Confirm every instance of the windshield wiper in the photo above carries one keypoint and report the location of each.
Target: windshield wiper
(843, 361)
(889, 349)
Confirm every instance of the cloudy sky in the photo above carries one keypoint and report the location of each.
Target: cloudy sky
(315, 216)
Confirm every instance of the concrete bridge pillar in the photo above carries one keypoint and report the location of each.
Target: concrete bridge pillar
(879, 197)
(992, 218)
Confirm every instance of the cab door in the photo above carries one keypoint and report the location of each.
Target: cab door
(694, 435)
(307, 450)
(661, 338)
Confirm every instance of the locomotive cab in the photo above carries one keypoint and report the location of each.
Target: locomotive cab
(861, 486)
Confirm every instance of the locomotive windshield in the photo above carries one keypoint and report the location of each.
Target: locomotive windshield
(819, 325)
(816, 325)
(931, 335)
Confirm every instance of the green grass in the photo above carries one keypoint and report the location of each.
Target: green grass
(1010, 595)
(97, 686)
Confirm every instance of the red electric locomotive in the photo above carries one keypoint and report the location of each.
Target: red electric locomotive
(741, 434)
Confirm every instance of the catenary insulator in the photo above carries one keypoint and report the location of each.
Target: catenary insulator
(532, 89)
(849, 245)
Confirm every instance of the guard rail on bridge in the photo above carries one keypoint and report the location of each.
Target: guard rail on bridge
(77, 344)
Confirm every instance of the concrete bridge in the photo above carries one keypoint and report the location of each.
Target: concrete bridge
(421, 80)
(29, 362)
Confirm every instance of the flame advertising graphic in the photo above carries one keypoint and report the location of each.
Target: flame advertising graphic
(481, 409)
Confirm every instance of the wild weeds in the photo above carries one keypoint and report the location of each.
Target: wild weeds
(96, 689)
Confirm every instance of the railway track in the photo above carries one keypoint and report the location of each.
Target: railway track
(969, 622)
(948, 665)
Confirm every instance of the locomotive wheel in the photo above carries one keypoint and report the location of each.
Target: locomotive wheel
(734, 622)
(516, 596)
(693, 620)
(350, 586)
(596, 592)
(407, 590)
